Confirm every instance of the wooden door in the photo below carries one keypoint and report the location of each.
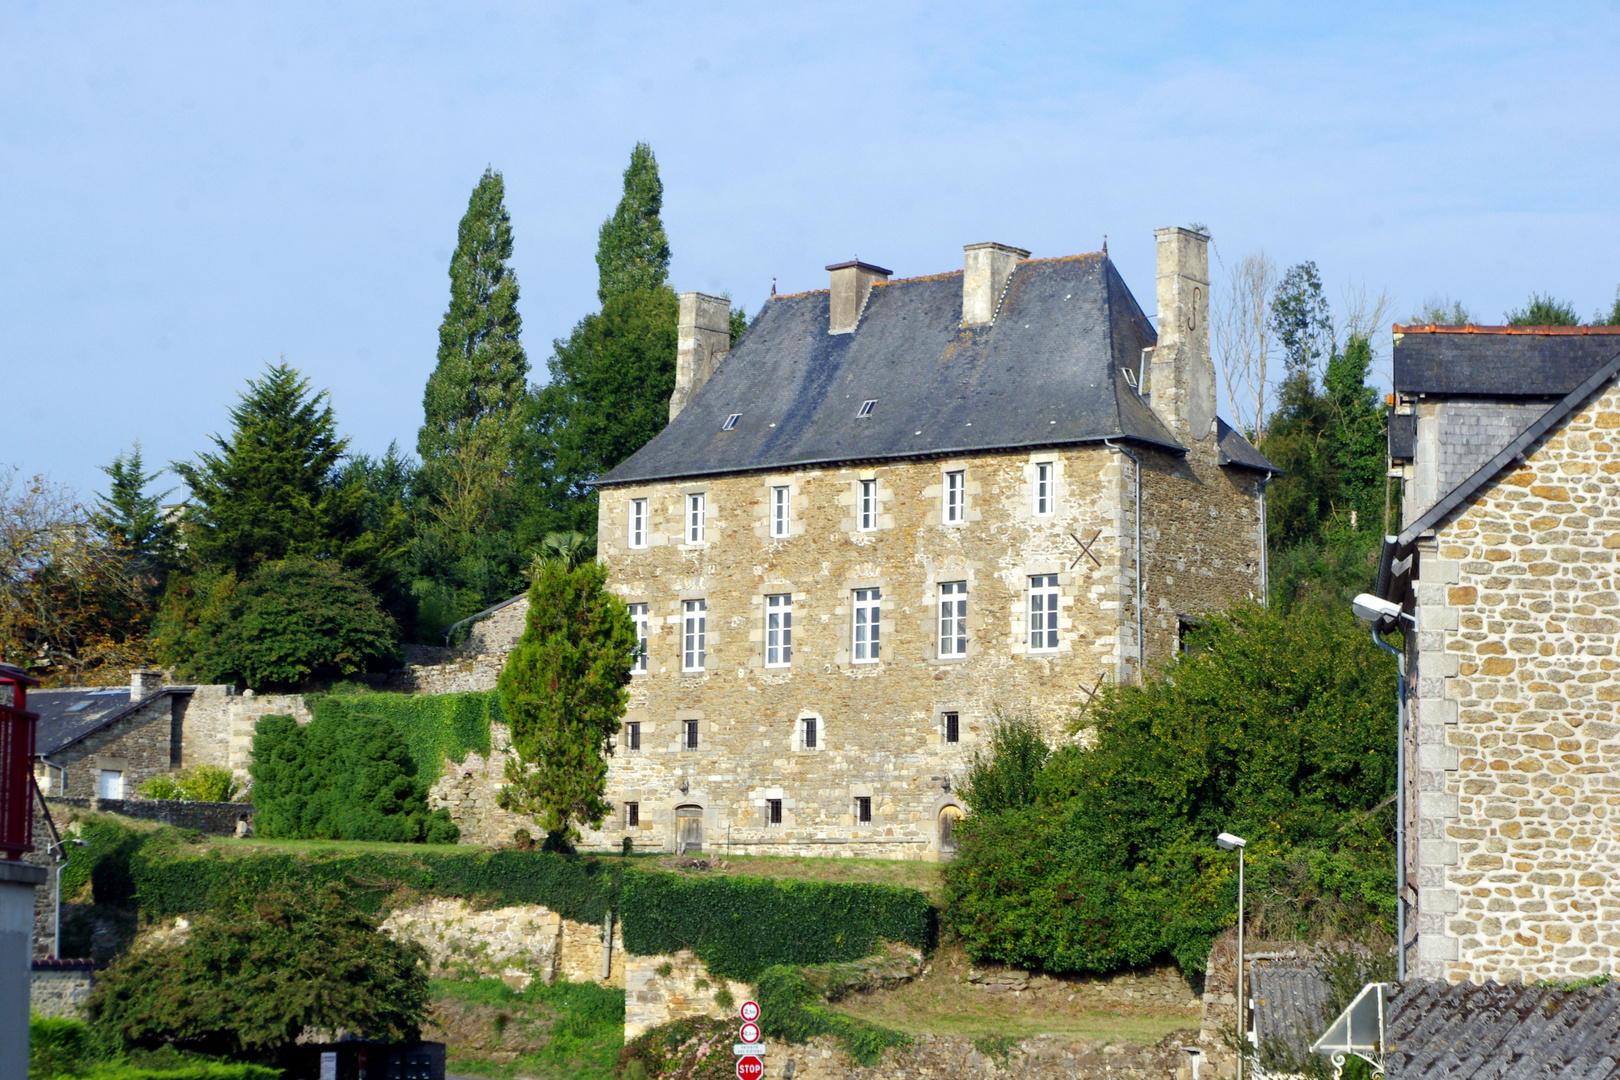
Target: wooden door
(689, 836)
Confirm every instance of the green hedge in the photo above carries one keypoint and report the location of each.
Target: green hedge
(434, 726)
(578, 889)
(739, 926)
(221, 1071)
(791, 1009)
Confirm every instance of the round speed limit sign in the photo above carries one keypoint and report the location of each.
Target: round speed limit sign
(749, 1010)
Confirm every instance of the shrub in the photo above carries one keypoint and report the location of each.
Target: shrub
(344, 776)
(1006, 780)
(739, 926)
(103, 863)
(696, 1048)
(434, 727)
(296, 620)
(259, 971)
(791, 1008)
(1280, 727)
(204, 783)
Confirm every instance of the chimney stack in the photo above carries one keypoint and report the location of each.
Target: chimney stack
(144, 682)
(851, 284)
(985, 271)
(1183, 375)
(702, 340)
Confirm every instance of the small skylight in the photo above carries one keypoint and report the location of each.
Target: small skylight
(731, 421)
(78, 706)
(866, 408)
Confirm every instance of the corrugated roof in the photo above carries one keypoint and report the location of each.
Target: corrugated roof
(1047, 373)
(1474, 1031)
(66, 716)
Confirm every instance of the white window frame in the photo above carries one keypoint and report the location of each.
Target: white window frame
(638, 523)
(1043, 489)
(953, 633)
(110, 783)
(694, 635)
(866, 510)
(779, 630)
(866, 640)
(956, 497)
(1043, 613)
(638, 614)
(696, 526)
(781, 511)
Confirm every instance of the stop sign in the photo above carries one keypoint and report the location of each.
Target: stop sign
(750, 1068)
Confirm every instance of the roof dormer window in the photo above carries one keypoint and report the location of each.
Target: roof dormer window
(866, 408)
(731, 421)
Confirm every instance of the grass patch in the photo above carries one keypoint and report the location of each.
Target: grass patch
(922, 876)
(570, 1031)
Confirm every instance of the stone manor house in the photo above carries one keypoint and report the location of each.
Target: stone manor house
(1508, 441)
(897, 508)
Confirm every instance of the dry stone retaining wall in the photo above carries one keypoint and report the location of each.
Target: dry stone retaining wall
(659, 989)
(519, 944)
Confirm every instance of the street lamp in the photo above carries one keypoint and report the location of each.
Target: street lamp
(1228, 842)
(1376, 610)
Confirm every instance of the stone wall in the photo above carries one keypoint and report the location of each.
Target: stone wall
(139, 746)
(469, 791)
(59, 987)
(518, 944)
(212, 818)
(880, 726)
(1514, 725)
(1040, 1057)
(659, 989)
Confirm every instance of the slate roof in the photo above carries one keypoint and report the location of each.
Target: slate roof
(1289, 997)
(1473, 1031)
(67, 716)
(1048, 372)
(1499, 361)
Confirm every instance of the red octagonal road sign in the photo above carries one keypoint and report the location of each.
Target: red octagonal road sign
(750, 1068)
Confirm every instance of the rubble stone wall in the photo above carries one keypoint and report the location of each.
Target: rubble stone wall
(659, 989)
(519, 944)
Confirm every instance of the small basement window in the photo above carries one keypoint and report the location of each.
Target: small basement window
(863, 809)
(731, 421)
(866, 408)
(773, 811)
(632, 815)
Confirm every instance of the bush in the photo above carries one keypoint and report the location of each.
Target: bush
(1007, 779)
(739, 926)
(791, 1009)
(103, 863)
(696, 1048)
(293, 621)
(258, 972)
(344, 776)
(204, 783)
(1279, 727)
(434, 727)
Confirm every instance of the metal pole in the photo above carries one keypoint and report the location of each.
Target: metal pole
(1243, 1028)
(1400, 803)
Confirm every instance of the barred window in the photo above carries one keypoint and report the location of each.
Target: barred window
(863, 809)
(689, 738)
(773, 811)
(810, 726)
(953, 727)
(632, 735)
(632, 815)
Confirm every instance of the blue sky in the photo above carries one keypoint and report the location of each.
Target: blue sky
(192, 191)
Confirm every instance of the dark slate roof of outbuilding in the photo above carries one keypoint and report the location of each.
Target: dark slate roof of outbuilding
(66, 716)
(1048, 372)
(1500, 361)
(1473, 1031)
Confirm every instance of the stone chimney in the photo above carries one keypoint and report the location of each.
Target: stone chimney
(851, 284)
(985, 271)
(702, 339)
(1181, 383)
(144, 682)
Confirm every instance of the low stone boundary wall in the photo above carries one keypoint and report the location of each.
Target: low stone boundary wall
(212, 818)
(517, 944)
(59, 987)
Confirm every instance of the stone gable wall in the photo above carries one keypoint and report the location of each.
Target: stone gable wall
(1516, 737)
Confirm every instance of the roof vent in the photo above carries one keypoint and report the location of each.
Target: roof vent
(986, 270)
(851, 284)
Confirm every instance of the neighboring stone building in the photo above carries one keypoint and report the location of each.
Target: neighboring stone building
(897, 507)
(1508, 440)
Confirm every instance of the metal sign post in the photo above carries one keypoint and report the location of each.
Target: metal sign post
(751, 1049)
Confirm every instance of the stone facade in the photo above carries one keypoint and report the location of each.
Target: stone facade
(518, 944)
(880, 727)
(1513, 715)
(60, 987)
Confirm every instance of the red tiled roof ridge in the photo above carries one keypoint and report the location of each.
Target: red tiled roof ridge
(1471, 328)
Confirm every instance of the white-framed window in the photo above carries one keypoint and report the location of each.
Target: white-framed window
(781, 510)
(1043, 488)
(773, 812)
(632, 815)
(866, 408)
(638, 614)
(689, 735)
(866, 510)
(112, 783)
(779, 630)
(632, 735)
(731, 421)
(811, 728)
(695, 509)
(955, 497)
(951, 726)
(694, 633)
(863, 809)
(868, 617)
(953, 618)
(1043, 613)
(638, 523)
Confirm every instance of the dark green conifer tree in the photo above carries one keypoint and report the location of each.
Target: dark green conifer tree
(1543, 311)
(130, 518)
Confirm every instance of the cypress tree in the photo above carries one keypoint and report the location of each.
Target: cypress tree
(475, 392)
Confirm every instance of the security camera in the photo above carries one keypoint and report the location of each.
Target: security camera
(1375, 608)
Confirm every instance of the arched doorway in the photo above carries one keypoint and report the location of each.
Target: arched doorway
(948, 818)
(688, 829)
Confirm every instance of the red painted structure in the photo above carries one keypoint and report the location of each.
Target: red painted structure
(17, 726)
